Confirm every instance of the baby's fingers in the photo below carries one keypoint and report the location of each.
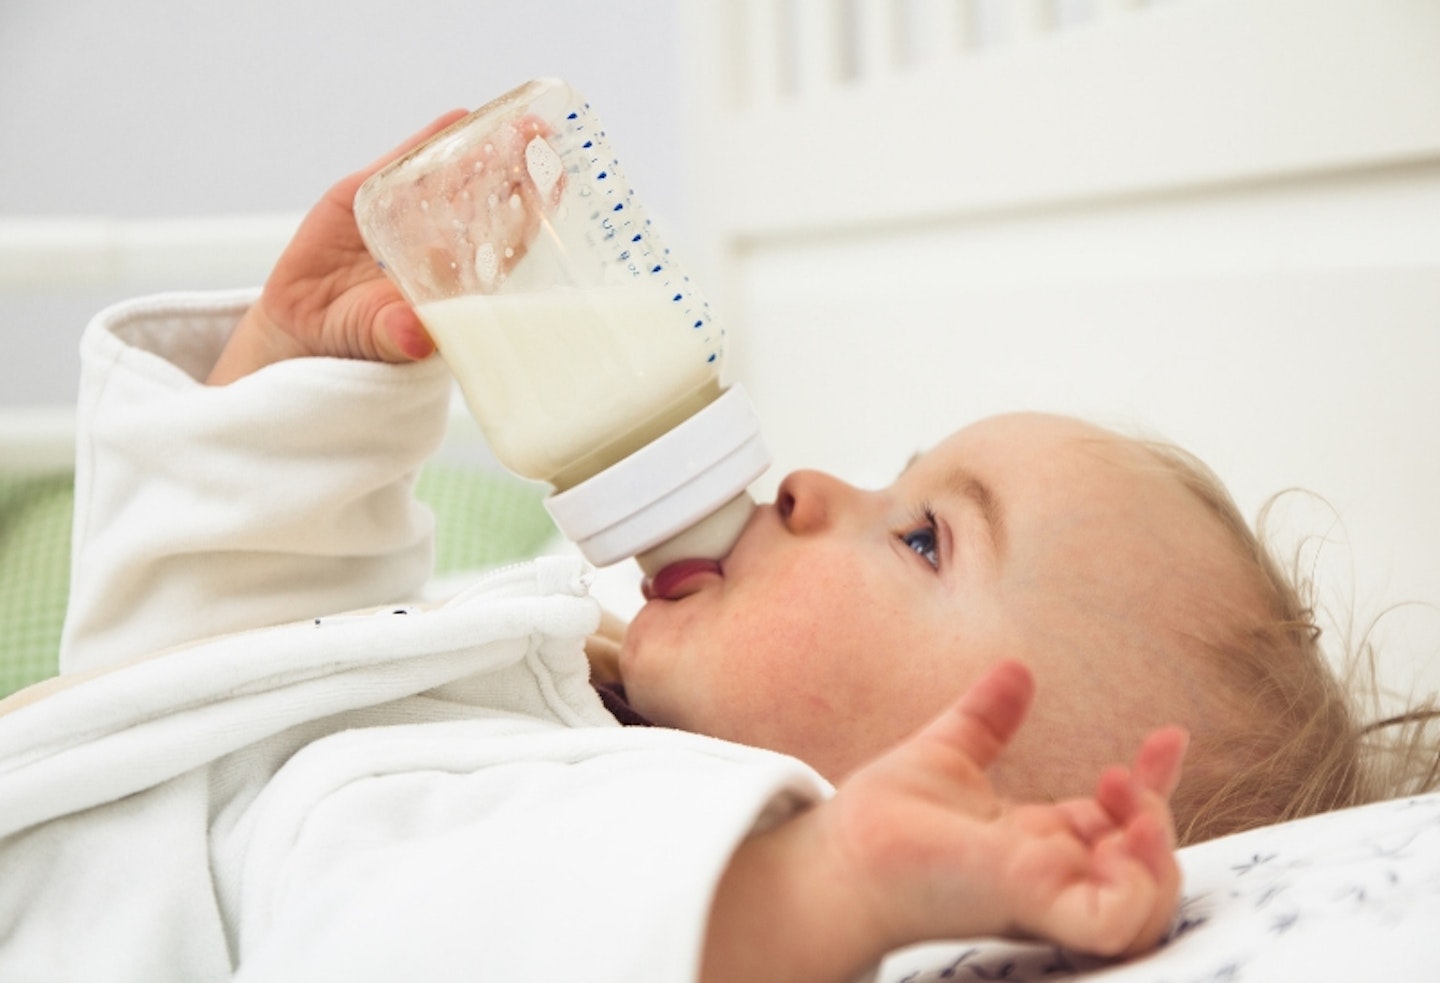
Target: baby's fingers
(401, 335)
(1125, 793)
(1121, 797)
(1138, 891)
(986, 717)
(1146, 827)
(1159, 760)
(1149, 841)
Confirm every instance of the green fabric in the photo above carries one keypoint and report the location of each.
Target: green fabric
(482, 519)
(34, 575)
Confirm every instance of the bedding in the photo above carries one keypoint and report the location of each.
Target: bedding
(483, 518)
(34, 571)
(1346, 896)
(354, 797)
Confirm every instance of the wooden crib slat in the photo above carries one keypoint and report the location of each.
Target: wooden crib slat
(1115, 8)
(941, 29)
(762, 51)
(1033, 19)
(820, 45)
(877, 38)
(950, 146)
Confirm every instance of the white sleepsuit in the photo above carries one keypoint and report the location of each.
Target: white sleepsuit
(264, 790)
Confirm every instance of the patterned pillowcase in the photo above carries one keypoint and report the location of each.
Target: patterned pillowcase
(482, 518)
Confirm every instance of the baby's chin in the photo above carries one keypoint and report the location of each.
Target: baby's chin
(631, 662)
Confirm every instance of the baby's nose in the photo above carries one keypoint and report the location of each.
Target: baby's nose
(807, 501)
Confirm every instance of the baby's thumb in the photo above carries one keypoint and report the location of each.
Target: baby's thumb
(982, 721)
(400, 335)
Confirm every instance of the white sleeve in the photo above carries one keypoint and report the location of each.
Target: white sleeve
(548, 863)
(202, 510)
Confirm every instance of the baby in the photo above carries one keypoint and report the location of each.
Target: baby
(1119, 571)
(1028, 569)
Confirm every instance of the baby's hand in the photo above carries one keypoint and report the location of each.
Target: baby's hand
(326, 294)
(918, 846)
(946, 857)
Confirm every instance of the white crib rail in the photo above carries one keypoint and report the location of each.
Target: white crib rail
(55, 271)
(36, 440)
(799, 77)
(794, 46)
(55, 253)
(105, 259)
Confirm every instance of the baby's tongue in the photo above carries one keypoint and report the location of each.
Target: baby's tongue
(669, 583)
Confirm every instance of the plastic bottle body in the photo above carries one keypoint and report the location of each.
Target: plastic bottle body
(567, 382)
(577, 339)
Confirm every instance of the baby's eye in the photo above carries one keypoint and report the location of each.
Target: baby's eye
(924, 539)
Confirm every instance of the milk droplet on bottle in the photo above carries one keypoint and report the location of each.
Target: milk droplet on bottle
(583, 350)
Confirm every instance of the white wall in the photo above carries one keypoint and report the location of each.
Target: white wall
(1215, 220)
(165, 108)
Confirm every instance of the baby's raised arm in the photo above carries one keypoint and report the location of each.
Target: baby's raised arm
(917, 846)
(203, 510)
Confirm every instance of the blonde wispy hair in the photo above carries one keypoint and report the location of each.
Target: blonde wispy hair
(1302, 734)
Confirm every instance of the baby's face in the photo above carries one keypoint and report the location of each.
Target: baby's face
(845, 619)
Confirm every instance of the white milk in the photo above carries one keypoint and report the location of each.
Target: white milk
(567, 381)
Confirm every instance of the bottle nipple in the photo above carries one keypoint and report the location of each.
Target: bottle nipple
(709, 539)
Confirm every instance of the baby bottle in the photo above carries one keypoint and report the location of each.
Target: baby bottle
(583, 350)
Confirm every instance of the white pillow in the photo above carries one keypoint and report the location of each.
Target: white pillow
(1345, 896)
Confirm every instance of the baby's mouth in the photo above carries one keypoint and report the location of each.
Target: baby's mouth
(679, 579)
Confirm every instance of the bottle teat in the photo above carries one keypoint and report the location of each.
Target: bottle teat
(711, 538)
